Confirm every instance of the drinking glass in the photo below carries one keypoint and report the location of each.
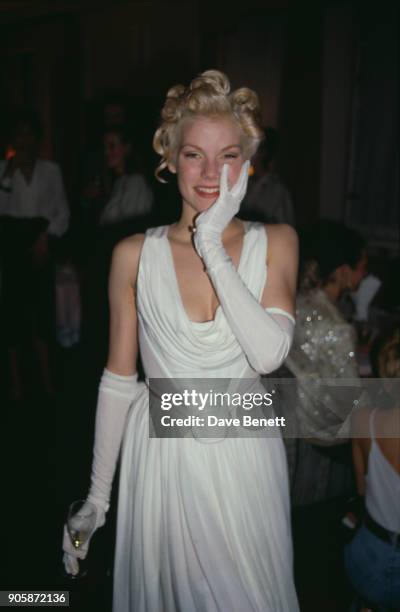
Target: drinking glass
(81, 522)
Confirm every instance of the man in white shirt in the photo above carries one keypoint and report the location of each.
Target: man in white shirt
(33, 209)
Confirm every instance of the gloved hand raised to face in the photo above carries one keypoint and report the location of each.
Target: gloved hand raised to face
(211, 223)
(265, 334)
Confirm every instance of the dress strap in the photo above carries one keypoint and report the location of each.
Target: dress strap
(149, 257)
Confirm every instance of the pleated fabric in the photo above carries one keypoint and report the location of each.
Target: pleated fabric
(203, 524)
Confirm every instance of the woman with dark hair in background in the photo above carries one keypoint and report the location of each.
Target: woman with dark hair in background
(116, 204)
(33, 211)
(120, 193)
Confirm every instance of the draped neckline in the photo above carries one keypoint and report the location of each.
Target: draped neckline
(171, 266)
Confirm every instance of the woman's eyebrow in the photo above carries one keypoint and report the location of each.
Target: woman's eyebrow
(187, 144)
(232, 146)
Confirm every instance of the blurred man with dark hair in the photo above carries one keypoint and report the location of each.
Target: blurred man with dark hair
(268, 199)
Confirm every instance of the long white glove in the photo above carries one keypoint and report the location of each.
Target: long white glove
(116, 394)
(265, 335)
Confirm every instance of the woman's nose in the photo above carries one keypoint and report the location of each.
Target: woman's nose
(211, 169)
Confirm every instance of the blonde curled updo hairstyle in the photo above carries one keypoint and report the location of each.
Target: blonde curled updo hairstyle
(208, 95)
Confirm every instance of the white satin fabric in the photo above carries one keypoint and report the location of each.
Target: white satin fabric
(201, 527)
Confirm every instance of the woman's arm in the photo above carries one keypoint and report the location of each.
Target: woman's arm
(119, 386)
(361, 443)
(282, 266)
(264, 335)
(118, 389)
(264, 330)
(359, 465)
(123, 350)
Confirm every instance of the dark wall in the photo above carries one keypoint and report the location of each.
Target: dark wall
(300, 114)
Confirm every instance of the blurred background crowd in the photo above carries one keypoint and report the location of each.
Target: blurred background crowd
(82, 84)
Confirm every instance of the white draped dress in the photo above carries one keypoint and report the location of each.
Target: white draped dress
(202, 525)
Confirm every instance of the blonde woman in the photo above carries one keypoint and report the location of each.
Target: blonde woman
(201, 526)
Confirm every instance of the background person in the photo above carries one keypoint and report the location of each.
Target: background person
(33, 214)
(116, 207)
(372, 557)
(268, 199)
(323, 351)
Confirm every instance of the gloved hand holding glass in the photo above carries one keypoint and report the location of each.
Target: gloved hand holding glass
(116, 395)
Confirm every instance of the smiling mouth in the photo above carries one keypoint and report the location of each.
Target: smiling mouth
(207, 192)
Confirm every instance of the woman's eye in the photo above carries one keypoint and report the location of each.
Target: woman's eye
(231, 155)
(192, 155)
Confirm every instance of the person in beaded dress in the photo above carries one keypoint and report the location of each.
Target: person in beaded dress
(324, 347)
(318, 404)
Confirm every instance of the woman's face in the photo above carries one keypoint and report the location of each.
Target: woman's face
(206, 145)
(115, 151)
(359, 271)
(350, 277)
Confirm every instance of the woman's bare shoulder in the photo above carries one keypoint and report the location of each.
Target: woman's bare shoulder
(283, 242)
(281, 234)
(126, 255)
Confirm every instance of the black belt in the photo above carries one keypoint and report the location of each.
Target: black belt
(392, 537)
